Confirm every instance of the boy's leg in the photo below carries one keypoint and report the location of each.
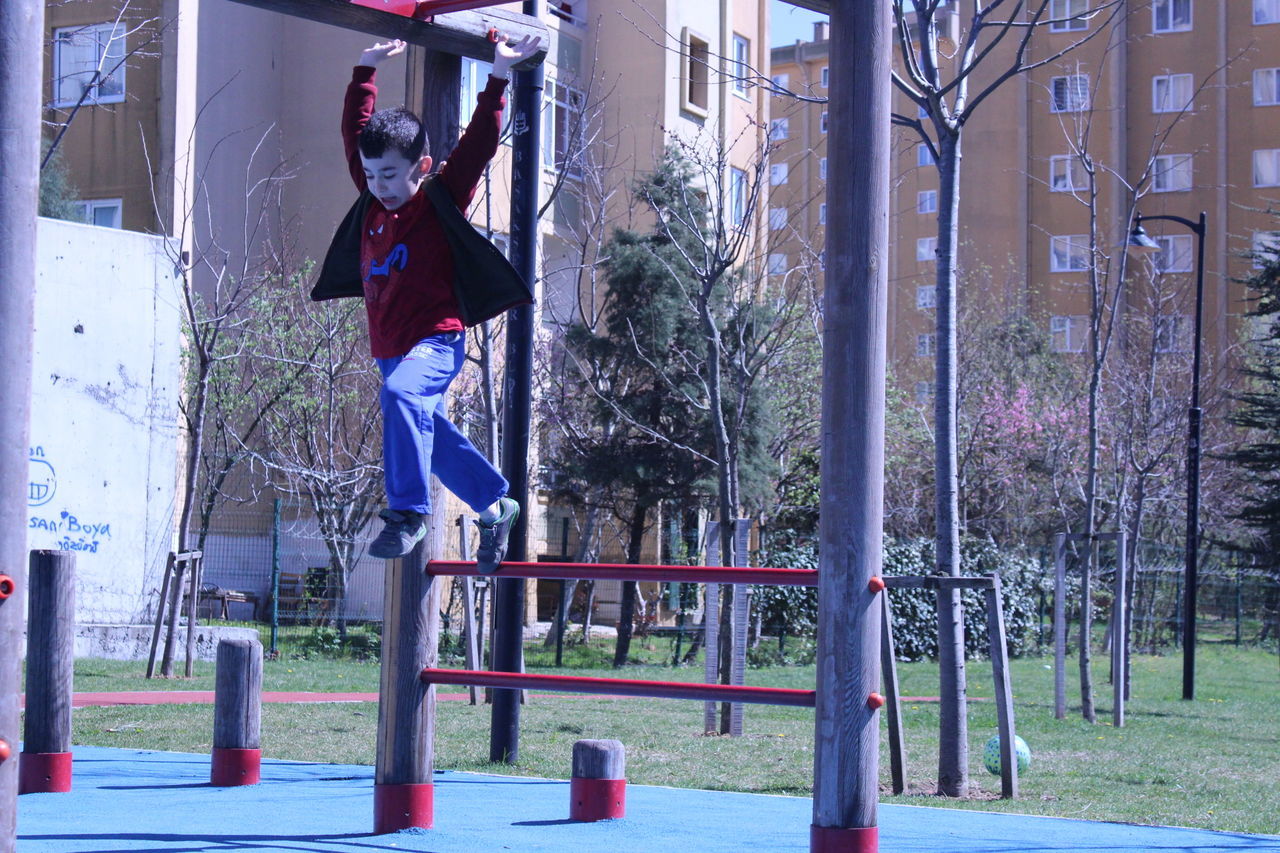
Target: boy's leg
(412, 390)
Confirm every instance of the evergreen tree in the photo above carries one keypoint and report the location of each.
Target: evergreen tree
(59, 198)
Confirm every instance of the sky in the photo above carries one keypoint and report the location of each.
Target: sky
(788, 23)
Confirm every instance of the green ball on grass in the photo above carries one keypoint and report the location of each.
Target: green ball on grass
(991, 754)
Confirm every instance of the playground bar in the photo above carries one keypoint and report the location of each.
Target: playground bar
(623, 687)
(628, 572)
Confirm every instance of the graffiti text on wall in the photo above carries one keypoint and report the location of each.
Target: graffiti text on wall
(76, 535)
(42, 480)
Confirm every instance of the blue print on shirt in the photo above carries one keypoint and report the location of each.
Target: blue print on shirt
(398, 258)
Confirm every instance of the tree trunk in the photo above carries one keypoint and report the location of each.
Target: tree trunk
(953, 727)
(588, 607)
(627, 617)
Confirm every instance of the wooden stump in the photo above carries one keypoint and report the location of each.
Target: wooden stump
(237, 714)
(45, 764)
(598, 789)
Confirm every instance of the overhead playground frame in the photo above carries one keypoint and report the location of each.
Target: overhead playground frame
(846, 749)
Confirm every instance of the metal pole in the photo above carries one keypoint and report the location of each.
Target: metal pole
(504, 726)
(21, 48)
(275, 577)
(1193, 481)
(847, 732)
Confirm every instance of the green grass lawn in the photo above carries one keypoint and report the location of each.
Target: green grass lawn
(1211, 763)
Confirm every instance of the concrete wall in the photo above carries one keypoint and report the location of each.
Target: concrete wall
(104, 412)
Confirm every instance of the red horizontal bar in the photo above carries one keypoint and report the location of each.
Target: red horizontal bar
(622, 687)
(629, 572)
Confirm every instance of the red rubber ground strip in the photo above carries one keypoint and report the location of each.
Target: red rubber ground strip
(833, 839)
(628, 572)
(44, 773)
(397, 807)
(230, 767)
(624, 687)
(597, 799)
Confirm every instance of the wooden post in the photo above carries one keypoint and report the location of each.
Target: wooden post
(893, 701)
(45, 765)
(237, 714)
(711, 630)
(1120, 637)
(160, 609)
(471, 635)
(1003, 690)
(741, 616)
(22, 34)
(598, 788)
(402, 791)
(847, 733)
(1060, 626)
(193, 599)
(175, 607)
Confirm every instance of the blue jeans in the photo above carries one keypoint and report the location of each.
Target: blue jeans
(418, 439)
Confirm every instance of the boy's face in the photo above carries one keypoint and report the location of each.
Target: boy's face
(393, 178)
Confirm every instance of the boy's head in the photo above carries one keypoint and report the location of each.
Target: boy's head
(391, 149)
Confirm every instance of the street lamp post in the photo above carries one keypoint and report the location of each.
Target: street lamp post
(1139, 238)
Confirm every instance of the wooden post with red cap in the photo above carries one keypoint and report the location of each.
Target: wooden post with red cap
(45, 763)
(237, 714)
(855, 299)
(598, 787)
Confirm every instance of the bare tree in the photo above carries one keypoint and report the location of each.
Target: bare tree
(944, 50)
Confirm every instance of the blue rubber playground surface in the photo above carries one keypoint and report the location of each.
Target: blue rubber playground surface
(161, 801)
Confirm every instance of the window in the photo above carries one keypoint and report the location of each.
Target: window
(1069, 253)
(1171, 333)
(103, 212)
(924, 157)
(927, 201)
(926, 344)
(1266, 167)
(822, 213)
(782, 81)
(1266, 11)
(1067, 174)
(924, 393)
(1266, 87)
(1070, 94)
(926, 296)
(475, 76)
(741, 66)
(88, 62)
(1174, 254)
(1170, 16)
(777, 263)
(1067, 334)
(927, 249)
(778, 173)
(1065, 15)
(738, 197)
(822, 122)
(779, 128)
(574, 13)
(1266, 247)
(822, 168)
(777, 218)
(561, 128)
(696, 55)
(825, 76)
(1171, 93)
(1171, 173)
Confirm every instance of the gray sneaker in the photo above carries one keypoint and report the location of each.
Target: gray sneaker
(404, 529)
(493, 537)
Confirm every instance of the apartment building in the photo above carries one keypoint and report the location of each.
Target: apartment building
(236, 94)
(1199, 77)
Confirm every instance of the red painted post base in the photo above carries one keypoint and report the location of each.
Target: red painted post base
(231, 767)
(397, 807)
(597, 799)
(834, 839)
(44, 773)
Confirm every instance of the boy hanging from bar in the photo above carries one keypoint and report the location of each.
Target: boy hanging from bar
(416, 333)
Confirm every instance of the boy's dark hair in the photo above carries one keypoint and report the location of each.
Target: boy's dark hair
(397, 130)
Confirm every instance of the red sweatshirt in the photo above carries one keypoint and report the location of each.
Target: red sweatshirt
(405, 261)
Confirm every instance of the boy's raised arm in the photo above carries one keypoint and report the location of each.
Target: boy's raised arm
(359, 103)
